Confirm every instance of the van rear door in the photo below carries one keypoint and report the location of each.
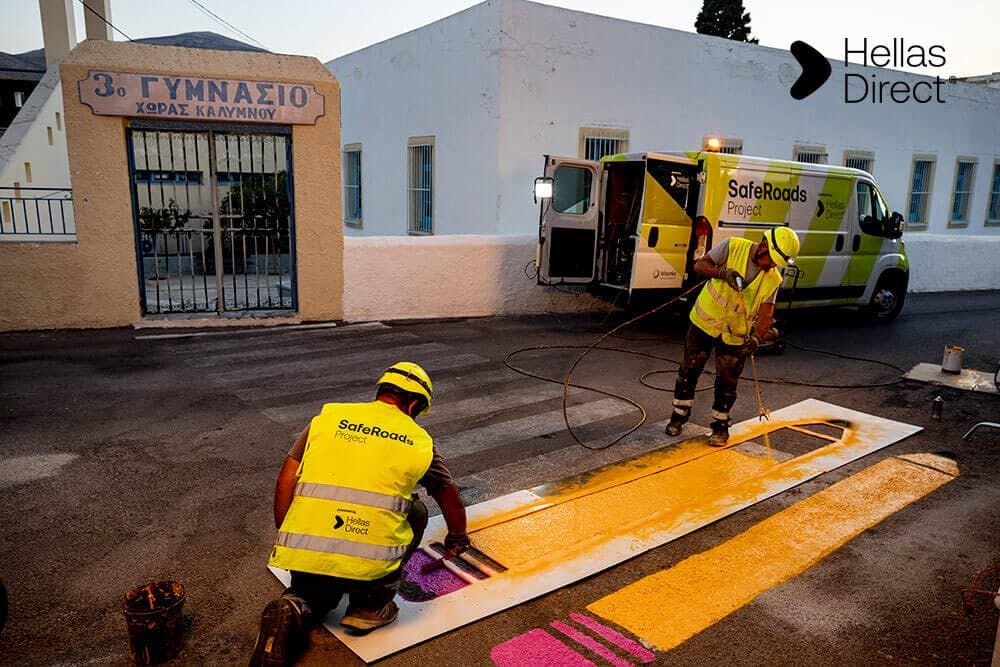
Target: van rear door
(568, 221)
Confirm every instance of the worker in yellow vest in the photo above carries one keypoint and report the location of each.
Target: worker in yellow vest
(347, 516)
(732, 315)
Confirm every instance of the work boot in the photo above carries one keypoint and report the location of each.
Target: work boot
(368, 619)
(282, 635)
(720, 433)
(676, 424)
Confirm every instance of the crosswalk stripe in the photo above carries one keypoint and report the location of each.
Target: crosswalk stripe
(473, 440)
(353, 373)
(364, 390)
(272, 352)
(242, 337)
(337, 366)
(673, 605)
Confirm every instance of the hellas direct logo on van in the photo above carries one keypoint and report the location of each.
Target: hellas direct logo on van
(873, 87)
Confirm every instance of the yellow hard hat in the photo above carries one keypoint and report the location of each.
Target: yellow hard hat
(410, 377)
(783, 246)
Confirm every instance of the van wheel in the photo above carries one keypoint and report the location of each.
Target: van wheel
(887, 301)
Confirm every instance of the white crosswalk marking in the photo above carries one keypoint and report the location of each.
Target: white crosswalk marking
(485, 437)
(272, 352)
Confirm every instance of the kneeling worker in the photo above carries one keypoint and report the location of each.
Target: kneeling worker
(347, 516)
(742, 291)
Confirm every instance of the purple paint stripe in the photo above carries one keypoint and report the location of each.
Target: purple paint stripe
(536, 648)
(618, 639)
(592, 644)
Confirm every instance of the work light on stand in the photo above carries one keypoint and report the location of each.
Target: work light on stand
(543, 188)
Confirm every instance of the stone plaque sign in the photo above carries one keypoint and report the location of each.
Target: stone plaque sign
(200, 99)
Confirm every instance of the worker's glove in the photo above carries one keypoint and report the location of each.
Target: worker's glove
(770, 336)
(732, 278)
(751, 345)
(456, 543)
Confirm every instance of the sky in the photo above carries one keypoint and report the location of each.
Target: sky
(331, 28)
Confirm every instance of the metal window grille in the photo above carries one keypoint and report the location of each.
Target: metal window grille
(727, 146)
(812, 157)
(920, 191)
(857, 162)
(421, 188)
(963, 191)
(993, 214)
(595, 147)
(352, 186)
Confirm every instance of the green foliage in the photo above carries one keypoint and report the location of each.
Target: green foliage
(724, 18)
(167, 219)
(260, 201)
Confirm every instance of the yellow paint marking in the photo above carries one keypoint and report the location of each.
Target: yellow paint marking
(671, 606)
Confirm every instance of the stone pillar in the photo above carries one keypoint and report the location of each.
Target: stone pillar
(58, 29)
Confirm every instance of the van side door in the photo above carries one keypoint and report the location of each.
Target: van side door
(568, 222)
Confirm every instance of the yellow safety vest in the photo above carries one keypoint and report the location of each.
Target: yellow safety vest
(722, 311)
(355, 486)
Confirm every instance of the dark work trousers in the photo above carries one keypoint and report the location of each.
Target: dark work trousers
(321, 593)
(729, 360)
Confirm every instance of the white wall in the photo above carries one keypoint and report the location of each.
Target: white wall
(947, 262)
(439, 80)
(27, 140)
(392, 278)
(561, 70)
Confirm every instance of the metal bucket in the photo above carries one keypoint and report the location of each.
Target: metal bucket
(952, 361)
(155, 622)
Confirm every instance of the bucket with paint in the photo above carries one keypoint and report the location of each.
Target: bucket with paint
(952, 361)
(153, 614)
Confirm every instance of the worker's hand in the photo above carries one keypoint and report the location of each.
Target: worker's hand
(770, 336)
(456, 543)
(751, 345)
(732, 278)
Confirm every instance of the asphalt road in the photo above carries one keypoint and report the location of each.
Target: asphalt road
(124, 460)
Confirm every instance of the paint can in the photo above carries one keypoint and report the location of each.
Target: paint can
(952, 361)
(155, 622)
(937, 405)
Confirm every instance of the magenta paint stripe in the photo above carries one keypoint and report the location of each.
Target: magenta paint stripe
(536, 648)
(637, 650)
(592, 644)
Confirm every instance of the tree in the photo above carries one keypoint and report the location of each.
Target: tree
(724, 18)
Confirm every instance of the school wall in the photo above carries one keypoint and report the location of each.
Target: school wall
(93, 281)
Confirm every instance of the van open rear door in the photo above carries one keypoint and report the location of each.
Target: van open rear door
(568, 221)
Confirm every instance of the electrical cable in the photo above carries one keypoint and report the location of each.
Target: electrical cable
(226, 23)
(968, 597)
(90, 9)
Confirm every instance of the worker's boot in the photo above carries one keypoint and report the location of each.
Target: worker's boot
(282, 635)
(368, 619)
(676, 424)
(720, 433)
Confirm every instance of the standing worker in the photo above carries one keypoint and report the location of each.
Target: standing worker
(733, 315)
(347, 517)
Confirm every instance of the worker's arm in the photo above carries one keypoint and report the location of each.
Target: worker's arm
(453, 510)
(707, 268)
(765, 318)
(284, 488)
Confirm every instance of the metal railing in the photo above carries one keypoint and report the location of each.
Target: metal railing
(29, 213)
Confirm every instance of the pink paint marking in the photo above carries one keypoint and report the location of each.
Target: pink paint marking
(592, 644)
(536, 648)
(637, 650)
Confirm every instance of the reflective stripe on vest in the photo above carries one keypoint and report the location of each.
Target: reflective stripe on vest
(355, 486)
(333, 545)
(357, 496)
(721, 311)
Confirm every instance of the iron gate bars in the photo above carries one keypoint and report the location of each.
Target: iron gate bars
(213, 219)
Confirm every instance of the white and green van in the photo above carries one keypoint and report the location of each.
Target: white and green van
(637, 222)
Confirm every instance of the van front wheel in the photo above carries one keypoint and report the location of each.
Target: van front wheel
(887, 300)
